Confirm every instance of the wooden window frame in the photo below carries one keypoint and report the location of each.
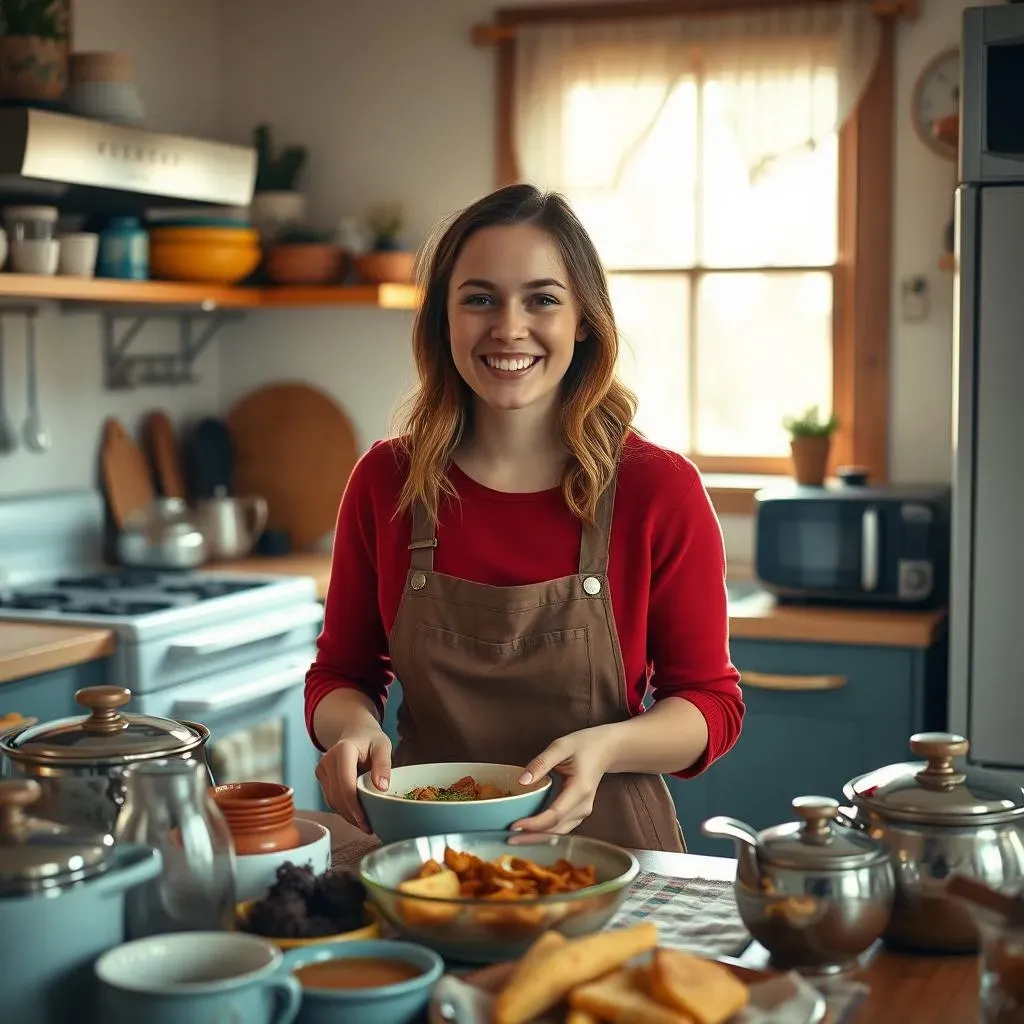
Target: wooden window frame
(863, 271)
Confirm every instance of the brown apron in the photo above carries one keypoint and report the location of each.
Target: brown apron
(495, 674)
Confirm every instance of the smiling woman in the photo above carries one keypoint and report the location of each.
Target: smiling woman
(523, 561)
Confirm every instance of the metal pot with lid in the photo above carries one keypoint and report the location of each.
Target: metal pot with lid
(61, 905)
(936, 818)
(814, 893)
(79, 762)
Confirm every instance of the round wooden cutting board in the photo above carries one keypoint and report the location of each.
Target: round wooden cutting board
(296, 448)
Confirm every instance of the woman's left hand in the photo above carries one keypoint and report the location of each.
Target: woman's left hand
(582, 759)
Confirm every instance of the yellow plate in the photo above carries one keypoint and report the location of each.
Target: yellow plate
(371, 930)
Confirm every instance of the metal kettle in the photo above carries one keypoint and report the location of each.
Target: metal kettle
(162, 535)
(231, 526)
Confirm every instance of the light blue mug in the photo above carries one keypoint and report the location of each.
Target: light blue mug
(194, 977)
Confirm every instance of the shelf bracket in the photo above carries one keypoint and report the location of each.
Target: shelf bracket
(124, 370)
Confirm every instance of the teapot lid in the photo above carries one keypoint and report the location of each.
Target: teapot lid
(816, 841)
(106, 735)
(938, 792)
(37, 854)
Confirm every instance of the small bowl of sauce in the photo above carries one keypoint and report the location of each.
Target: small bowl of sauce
(356, 982)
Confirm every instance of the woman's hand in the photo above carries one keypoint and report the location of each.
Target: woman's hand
(581, 758)
(358, 748)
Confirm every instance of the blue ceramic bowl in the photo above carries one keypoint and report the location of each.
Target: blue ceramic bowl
(401, 1003)
(393, 817)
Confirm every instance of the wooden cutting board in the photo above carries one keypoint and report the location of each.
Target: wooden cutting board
(164, 454)
(125, 472)
(296, 448)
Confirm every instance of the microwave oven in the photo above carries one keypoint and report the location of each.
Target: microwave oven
(851, 543)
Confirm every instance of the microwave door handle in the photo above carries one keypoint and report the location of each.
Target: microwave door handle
(249, 693)
(869, 551)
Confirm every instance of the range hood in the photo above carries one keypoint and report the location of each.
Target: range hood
(85, 166)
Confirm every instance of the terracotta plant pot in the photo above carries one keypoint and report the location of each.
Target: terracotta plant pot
(32, 68)
(386, 267)
(810, 459)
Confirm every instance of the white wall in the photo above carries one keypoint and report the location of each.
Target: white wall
(177, 50)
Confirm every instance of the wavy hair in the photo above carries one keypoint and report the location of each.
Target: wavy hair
(595, 409)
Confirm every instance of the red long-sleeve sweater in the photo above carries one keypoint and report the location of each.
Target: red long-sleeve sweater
(666, 575)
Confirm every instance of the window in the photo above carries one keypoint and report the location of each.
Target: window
(722, 281)
(740, 297)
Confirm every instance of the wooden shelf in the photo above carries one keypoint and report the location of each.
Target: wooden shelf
(103, 291)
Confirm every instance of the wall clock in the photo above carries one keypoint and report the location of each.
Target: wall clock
(936, 101)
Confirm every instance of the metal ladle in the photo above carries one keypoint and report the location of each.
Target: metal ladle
(37, 439)
(8, 435)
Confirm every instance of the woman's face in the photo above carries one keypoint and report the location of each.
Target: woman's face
(512, 319)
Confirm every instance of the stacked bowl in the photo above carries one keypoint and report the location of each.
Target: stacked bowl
(215, 254)
(266, 834)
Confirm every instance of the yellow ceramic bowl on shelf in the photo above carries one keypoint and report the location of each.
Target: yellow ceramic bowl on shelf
(370, 930)
(245, 237)
(202, 262)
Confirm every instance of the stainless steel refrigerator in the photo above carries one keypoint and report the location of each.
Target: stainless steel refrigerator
(986, 684)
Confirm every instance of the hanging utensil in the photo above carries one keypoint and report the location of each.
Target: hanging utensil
(37, 439)
(8, 435)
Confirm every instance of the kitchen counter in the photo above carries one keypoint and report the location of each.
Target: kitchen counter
(754, 615)
(905, 989)
(32, 649)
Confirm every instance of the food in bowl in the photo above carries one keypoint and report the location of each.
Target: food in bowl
(356, 972)
(483, 897)
(302, 905)
(393, 816)
(385, 982)
(466, 788)
(599, 977)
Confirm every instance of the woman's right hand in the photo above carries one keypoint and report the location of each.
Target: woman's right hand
(358, 748)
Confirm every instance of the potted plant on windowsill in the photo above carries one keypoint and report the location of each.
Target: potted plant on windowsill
(388, 261)
(277, 202)
(33, 50)
(809, 445)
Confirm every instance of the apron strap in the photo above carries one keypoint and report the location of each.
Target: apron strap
(424, 540)
(596, 538)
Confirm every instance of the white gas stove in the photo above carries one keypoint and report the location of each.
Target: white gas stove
(230, 650)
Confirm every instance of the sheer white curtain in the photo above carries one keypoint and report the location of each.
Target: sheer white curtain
(754, 58)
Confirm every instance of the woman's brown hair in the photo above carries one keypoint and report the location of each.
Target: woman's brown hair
(595, 409)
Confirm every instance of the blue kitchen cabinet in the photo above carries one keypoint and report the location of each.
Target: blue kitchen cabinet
(801, 738)
(51, 695)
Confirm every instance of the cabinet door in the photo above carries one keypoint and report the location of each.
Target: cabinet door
(52, 695)
(817, 715)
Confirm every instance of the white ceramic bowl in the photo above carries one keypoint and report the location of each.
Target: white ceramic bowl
(393, 817)
(35, 255)
(255, 873)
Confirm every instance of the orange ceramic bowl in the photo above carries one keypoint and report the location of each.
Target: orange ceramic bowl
(214, 263)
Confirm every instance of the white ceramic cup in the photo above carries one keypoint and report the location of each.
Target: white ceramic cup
(78, 254)
(35, 255)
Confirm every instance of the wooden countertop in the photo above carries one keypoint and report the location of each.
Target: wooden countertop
(29, 649)
(762, 619)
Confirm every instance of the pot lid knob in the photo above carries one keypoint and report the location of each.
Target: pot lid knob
(817, 814)
(103, 702)
(939, 749)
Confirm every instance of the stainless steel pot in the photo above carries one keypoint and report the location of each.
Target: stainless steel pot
(936, 819)
(79, 762)
(814, 894)
(162, 536)
(61, 905)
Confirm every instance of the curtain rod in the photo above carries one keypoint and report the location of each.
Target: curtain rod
(509, 19)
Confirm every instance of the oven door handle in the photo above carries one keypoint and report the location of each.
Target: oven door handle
(225, 638)
(246, 694)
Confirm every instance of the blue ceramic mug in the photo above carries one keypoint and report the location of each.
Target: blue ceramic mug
(186, 977)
